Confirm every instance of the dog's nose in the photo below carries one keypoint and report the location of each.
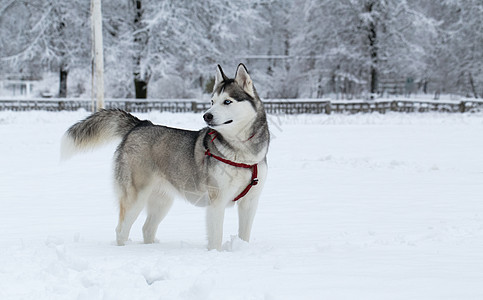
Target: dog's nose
(208, 117)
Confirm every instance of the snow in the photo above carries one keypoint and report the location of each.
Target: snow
(362, 206)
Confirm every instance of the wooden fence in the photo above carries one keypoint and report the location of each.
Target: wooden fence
(289, 106)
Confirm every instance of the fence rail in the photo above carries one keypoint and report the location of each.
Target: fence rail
(289, 106)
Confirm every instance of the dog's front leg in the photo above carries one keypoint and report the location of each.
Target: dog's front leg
(247, 206)
(215, 215)
(246, 214)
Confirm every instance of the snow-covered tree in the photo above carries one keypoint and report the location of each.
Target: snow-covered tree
(359, 40)
(176, 38)
(51, 34)
(270, 52)
(294, 48)
(456, 57)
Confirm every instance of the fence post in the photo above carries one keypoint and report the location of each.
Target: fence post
(328, 108)
(194, 107)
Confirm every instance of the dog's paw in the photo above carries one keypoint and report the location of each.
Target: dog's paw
(235, 244)
(123, 242)
(151, 241)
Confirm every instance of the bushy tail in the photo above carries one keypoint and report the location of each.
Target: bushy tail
(96, 130)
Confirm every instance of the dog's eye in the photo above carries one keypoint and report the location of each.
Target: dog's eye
(227, 102)
(212, 102)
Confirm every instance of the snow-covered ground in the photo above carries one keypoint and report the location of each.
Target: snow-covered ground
(355, 207)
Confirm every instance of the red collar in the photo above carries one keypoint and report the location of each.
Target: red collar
(254, 167)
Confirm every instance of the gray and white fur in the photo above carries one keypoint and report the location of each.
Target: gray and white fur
(155, 164)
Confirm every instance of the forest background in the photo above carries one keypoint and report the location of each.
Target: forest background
(293, 49)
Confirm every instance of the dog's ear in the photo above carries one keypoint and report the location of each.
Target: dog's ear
(243, 80)
(220, 77)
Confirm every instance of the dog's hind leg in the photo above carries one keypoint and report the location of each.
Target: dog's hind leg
(157, 208)
(130, 205)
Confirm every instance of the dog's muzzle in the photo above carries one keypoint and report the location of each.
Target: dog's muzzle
(208, 117)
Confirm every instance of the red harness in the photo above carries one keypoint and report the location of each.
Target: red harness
(253, 181)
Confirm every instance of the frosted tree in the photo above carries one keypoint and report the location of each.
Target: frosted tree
(270, 50)
(456, 58)
(358, 40)
(176, 38)
(141, 36)
(299, 48)
(468, 42)
(49, 34)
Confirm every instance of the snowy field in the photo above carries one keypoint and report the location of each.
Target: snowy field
(355, 207)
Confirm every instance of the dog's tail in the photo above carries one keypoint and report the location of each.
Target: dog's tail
(96, 130)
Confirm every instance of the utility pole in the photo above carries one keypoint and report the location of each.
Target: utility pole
(97, 92)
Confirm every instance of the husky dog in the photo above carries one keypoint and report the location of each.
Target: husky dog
(214, 167)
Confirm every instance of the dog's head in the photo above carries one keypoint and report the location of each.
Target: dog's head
(234, 102)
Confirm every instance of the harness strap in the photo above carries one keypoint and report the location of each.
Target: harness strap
(254, 168)
(215, 135)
